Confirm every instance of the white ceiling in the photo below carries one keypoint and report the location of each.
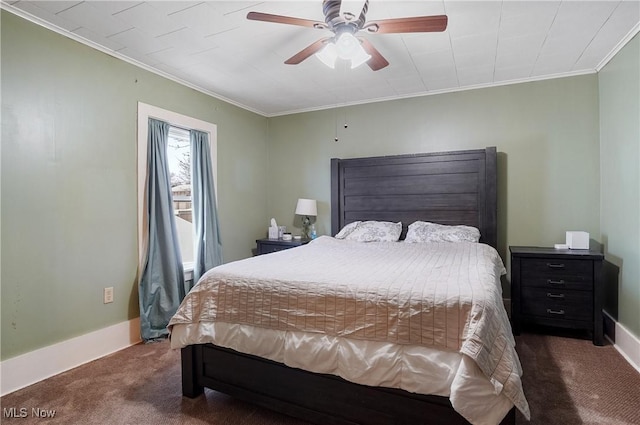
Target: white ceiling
(212, 47)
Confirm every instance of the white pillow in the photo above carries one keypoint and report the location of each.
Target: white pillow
(347, 229)
(424, 231)
(376, 231)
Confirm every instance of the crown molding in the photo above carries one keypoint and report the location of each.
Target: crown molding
(627, 38)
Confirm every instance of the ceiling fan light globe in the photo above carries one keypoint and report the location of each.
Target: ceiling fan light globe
(347, 46)
(328, 55)
(360, 58)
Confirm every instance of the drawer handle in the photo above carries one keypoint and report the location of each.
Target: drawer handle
(550, 295)
(555, 282)
(555, 266)
(560, 312)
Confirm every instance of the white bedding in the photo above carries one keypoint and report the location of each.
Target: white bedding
(427, 318)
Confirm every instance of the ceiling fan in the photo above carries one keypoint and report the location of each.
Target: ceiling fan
(345, 19)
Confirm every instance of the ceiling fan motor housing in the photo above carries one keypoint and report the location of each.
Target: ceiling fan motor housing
(347, 23)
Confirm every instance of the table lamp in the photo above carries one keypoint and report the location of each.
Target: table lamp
(306, 208)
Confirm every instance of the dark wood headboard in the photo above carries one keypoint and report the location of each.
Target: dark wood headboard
(457, 187)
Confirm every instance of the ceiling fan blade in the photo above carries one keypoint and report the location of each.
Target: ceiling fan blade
(307, 51)
(434, 23)
(377, 61)
(279, 19)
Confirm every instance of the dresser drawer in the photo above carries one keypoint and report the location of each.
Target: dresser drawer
(267, 248)
(581, 283)
(557, 304)
(551, 267)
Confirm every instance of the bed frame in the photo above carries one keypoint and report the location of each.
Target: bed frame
(449, 188)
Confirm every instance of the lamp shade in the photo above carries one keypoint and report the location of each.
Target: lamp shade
(307, 207)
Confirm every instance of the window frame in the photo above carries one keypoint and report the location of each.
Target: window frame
(146, 111)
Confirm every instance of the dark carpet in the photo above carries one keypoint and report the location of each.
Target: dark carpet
(567, 381)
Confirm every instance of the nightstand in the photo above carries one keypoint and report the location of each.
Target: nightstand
(557, 287)
(265, 246)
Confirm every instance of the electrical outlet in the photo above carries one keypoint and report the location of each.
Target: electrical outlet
(108, 295)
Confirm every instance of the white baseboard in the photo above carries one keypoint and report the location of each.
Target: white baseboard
(627, 344)
(27, 369)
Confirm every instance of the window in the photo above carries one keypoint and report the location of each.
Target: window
(179, 166)
(179, 157)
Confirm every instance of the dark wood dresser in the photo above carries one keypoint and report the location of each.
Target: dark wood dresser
(265, 246)
(557, 287)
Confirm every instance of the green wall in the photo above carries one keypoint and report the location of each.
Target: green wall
(69, 182)
(69, 160)
(546, 133)
(619, 83)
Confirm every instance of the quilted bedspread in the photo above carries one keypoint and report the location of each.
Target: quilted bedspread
(441, 295)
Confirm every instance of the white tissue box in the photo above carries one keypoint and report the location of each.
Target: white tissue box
(578, 240)
(273, 232)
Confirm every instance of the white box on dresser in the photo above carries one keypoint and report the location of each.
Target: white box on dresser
(578, 240)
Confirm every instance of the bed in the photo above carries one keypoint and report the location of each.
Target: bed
(454, 188)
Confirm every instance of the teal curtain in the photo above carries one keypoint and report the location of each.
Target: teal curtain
(162, 285)
(208, 248)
